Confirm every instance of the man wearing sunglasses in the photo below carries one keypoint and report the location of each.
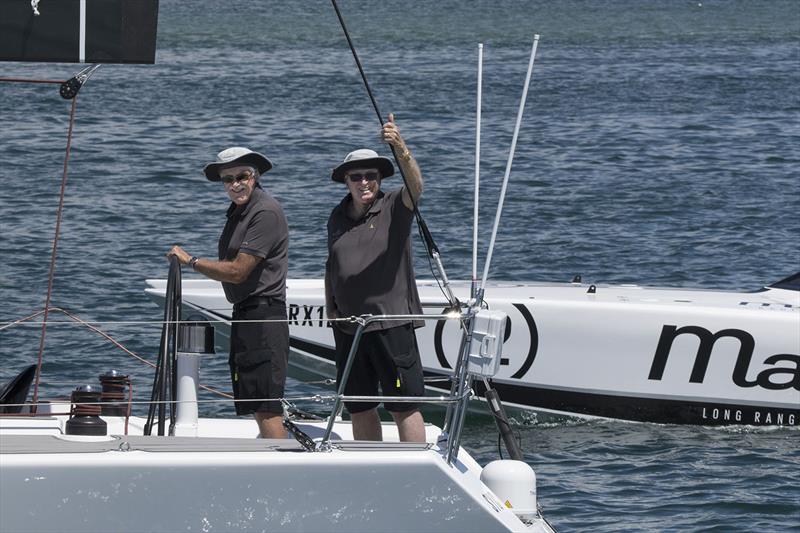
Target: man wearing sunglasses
(370, 270)
(252, 266)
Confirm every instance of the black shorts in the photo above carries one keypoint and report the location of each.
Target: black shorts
(259, 355)
(389, 357)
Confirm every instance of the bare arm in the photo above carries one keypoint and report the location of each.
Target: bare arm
(235, 271)
(391, 134)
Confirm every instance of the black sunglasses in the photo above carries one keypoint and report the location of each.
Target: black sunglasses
(369, 176)
(246, 175)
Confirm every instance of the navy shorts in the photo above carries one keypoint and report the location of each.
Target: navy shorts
(259, 356)
(388, 357)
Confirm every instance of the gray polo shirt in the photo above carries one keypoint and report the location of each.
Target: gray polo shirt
(257, 228)
(369, 267)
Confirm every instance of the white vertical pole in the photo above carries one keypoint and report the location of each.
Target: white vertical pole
(477, 173)
(188, 369)
(508, 165)
(82, 33)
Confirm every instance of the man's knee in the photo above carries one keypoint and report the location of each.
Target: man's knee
(403, 415)
(265, 415)
(367, 425)
(270, 425)
(368, 414)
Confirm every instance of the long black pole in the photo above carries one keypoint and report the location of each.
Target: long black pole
(360, 67)
(428, 238)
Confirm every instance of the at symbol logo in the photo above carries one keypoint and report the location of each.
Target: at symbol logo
(505, 361)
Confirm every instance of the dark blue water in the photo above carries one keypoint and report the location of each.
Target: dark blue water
(659, 146)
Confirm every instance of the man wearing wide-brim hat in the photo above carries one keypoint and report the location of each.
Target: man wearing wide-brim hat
(370, 271)
(252, 266)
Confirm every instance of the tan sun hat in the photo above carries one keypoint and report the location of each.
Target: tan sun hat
(236, 154)
(363, 158)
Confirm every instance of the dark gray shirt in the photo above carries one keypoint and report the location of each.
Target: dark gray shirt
(369, 267)
(257, 228)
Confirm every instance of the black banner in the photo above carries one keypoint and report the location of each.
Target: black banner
(114, 31)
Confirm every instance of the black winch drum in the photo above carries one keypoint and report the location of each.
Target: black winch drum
(86, 419)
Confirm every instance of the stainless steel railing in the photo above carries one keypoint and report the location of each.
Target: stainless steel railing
(456, 400)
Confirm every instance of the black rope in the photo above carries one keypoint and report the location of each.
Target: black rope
(517, 435)
(510, 436)
(165, 380)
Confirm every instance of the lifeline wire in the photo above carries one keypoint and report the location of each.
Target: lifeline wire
(51, 275)
(319, 398)
(76, 320)
(29, 321)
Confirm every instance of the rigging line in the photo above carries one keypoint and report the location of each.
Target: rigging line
(315, 398)
(427, 238)
(318, 398)
(116, 343)
(89, 326)
(216, 391)
(21, 320)
(25, 80)
(290, 321)
(102, 334)
(55, 246)
(523, 100)
(129, 352)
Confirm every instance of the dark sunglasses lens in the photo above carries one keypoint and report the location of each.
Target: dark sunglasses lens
(369, 176)
(241, 177)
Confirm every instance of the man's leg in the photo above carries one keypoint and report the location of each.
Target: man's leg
(361, 382)
(410, 425)
(401, 375)
(272, 377)
(367, 425)
(270, 425)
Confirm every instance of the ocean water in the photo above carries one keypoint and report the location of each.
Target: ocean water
(659, 146)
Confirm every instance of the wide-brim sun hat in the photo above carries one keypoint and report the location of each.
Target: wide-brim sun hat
(363, 158)
(236, 156)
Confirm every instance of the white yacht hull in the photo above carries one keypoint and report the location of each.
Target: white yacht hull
(227, 480)
(626, 352)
